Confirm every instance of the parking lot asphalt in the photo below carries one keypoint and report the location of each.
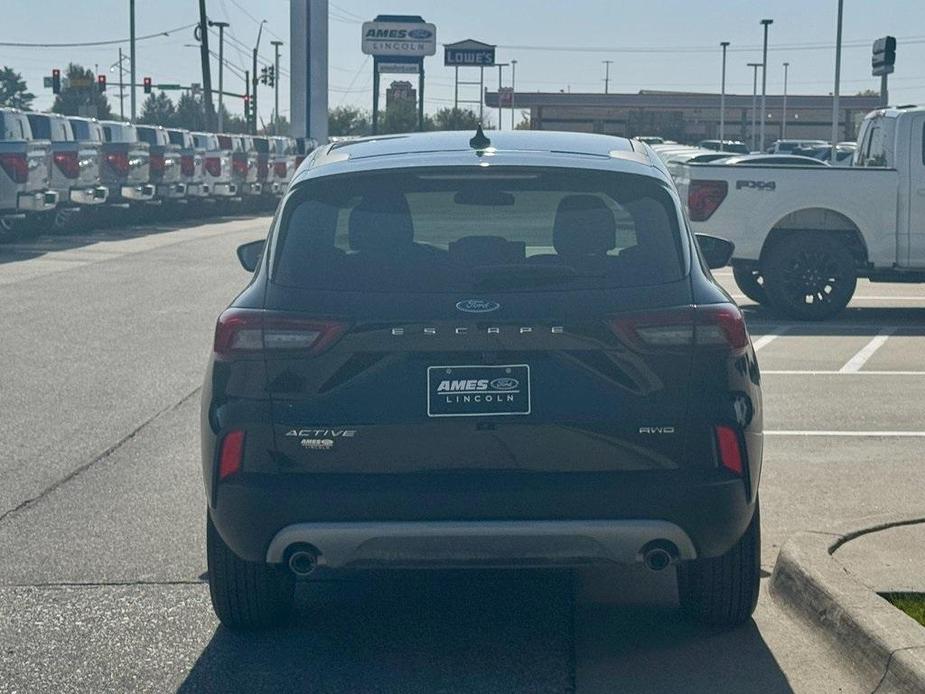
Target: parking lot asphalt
(102, 516)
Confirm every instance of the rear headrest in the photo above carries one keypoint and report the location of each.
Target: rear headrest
(584, 226)
(381, 221)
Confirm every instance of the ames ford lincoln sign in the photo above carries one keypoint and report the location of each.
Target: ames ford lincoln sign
(408, 39)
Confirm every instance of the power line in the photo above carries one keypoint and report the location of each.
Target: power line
(95, 43)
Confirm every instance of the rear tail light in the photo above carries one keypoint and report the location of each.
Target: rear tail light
(239, 166)
(157, 164)
(703, 197)
(67, 163)
(279, 169)
(16, 166)
(711, 326)
(243, 332)
(232, 453)
(214, 166)
(187, 165)
(730, 452)
(118, 161)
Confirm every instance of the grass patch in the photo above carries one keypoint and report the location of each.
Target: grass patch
(913, 604)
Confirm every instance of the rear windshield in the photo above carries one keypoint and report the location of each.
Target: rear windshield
(120, 133)
(86, 130)
(177, 137)
(446, 229)
(151, 136)
(261, 145)
(14, 127)
(48, 128)
(205, 141)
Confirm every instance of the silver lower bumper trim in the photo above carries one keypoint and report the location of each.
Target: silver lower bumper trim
(479, 543)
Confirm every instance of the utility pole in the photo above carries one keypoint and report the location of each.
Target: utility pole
(513, 76)
(783, 115)
(121, 87)
(131, 31)
(276, 45)
(754, 67)
(722, 102)
(835, 136)
(764, 78)
(254, 78)
(607, 75)
(206, 67)
(500, 113)
(221, 71)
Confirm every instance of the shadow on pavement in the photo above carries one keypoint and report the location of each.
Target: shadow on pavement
(479, 632)
(856, 320)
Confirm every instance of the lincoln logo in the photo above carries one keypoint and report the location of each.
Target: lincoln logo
(477, 306)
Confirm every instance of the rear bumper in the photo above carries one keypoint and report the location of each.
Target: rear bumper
(225, 190)
(96, 195)
(171, 190)
(198, 190)
(38, 201)
(472, 519)
(139, 192)
(479, 543)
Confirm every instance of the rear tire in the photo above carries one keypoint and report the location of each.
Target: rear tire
(246, 595)
(809, 277)
(723, 591)
(751, 283)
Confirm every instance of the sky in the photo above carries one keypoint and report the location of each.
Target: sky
(656, 44)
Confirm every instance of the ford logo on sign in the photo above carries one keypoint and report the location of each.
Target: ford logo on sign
(419, 34)
(477, 306)
(504, 383)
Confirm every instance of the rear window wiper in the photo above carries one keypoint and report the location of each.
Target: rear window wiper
(516, 275)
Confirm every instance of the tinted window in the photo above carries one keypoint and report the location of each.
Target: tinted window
(176, 137)
(13, 127)
(148, 135)
(41, 128)
(261, 145)
(447, 229)
(120, 133)
(877, 146)
(224, 142)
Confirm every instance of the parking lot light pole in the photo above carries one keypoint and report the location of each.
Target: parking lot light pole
(500, 112)
(764, 77)
(607, 75)
(221, 70)
(722, 102)
(835, 137)
(754, 67)
(131, 52)
(783, 115)
(513, 76)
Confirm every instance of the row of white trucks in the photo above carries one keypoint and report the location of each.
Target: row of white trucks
(52, 165)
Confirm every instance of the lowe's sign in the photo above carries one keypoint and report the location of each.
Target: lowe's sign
(469, 53)
(405, 39)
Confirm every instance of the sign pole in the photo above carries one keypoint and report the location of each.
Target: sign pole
(481, 93)
(421, 97)
(456, 90)
(375, 95)
(884, 93)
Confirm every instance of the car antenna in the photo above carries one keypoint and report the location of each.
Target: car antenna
(479, 141)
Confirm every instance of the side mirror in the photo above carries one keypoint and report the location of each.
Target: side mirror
(250, 254)
(716, 251)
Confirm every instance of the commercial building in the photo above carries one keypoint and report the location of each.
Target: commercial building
(689, 116)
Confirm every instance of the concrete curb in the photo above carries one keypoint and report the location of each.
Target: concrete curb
(876, 639)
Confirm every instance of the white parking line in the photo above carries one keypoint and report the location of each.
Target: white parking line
(858, 360)
(857, 434)
(795, 372)
(768, 338)
(856, 297)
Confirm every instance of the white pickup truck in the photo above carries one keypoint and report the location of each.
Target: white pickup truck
(803, 235)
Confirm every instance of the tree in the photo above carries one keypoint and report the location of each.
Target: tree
(455, 119)
(270, 128)
(190, 113)
(869, 92)
(81, 97)
(348, 120)
(402, 117)
(157, 109)
(13, 90)
(525, 122)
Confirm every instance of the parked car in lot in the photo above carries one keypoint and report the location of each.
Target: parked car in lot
(216, 164)
(770, 160)
(165, 162)
(804, 235)
(447, 359)
(75, 170)
(262, 147)
(126, 168)
(283, 164)
(25, 171)
(192, 173)
(243, 162)
(788, 146)
(731, 146)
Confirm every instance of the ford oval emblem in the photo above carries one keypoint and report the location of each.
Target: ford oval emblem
(477, 306)
(504, 383)
(419, 34)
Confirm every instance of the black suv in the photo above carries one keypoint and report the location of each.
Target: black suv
(457, 352)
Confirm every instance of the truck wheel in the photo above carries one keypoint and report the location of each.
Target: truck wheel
(723, 591)
(246, 595)
(809, 278)
(751, 283)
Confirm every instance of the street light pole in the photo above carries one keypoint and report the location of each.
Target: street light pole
(722, 102)
(783, 115)
(121, 86)
(276, 45)
(254, 78)
(513, 76)
(754, 67)
(500, 113)
(221, 70)
(764, 77)
(835, 137)
(131, 59)
(607, 75)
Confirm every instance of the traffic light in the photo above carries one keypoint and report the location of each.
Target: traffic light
(101, 82)
(271, 75)
(56, 81)
(247, 108)
(884, 56)
(264, 75)
(147, 84)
